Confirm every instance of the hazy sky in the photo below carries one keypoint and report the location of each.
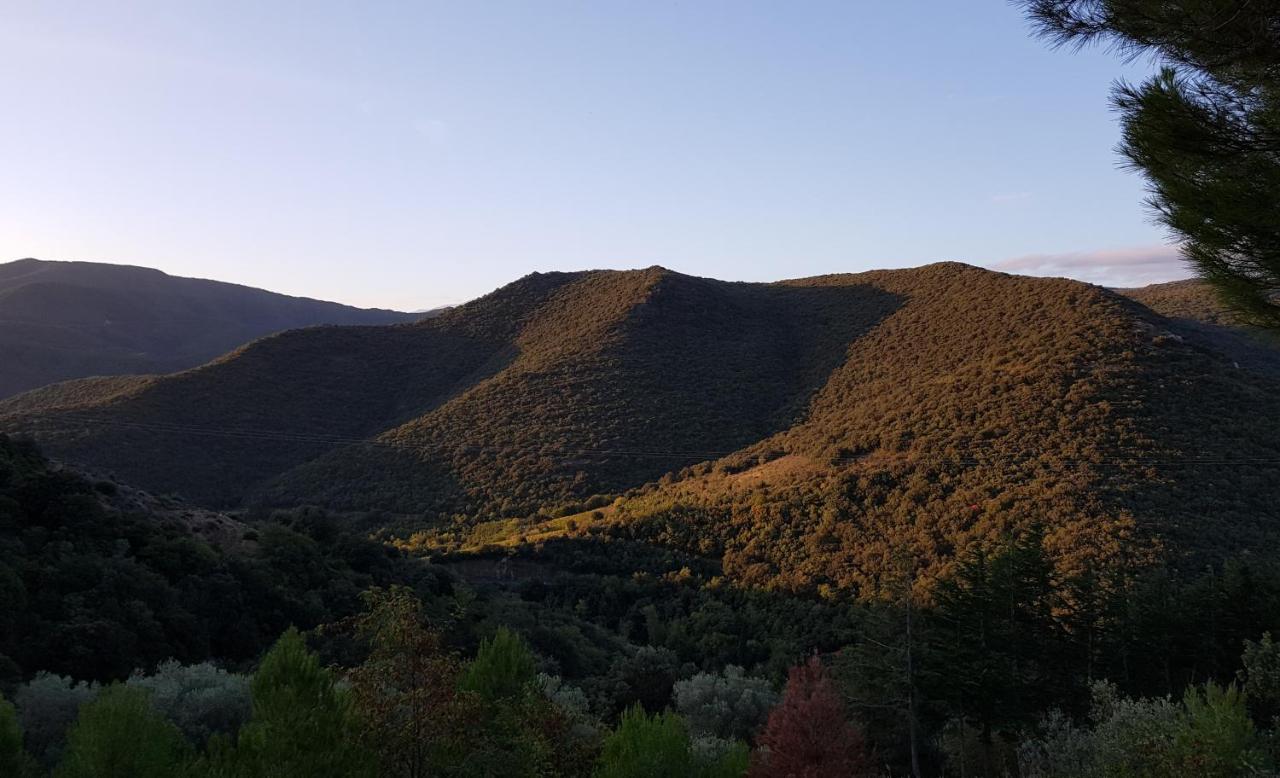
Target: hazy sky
(419, 153)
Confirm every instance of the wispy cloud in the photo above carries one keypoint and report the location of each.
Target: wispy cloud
(1135, 266)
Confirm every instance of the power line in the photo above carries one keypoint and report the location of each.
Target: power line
(326, 439)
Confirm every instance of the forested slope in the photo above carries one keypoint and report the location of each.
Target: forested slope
(806, 431)
(66, 320)
(985, 406)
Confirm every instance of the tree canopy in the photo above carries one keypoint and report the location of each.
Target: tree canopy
(1205, 129)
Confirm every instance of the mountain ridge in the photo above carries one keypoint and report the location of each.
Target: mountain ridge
(925, 410)
(68, 320)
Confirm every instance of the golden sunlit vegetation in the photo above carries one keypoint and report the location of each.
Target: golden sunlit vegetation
(803, 432)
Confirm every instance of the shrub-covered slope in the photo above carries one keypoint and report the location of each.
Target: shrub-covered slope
(809, 431)
(982, 407)
(98, 578)
(65, 320)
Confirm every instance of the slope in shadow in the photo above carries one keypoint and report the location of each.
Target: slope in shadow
(66, 320)
(215, 432)
(628, 376)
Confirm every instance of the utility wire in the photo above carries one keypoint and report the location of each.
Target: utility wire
(1135, 460)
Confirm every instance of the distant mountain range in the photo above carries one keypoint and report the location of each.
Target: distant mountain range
(64, 320)
(804, 432)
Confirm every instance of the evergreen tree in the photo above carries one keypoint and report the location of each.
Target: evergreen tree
(503, 668)
(880, 673)
(1205, 130)
(996, 647)
(302, 724)
(1261, 677)
(646, 746)
(119, 735)
(514, 729)
(13, 760)
(807, 735)
(1217, 738)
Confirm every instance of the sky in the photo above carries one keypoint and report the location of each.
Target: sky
(415, 154)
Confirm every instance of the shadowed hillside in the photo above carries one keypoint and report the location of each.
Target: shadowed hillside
(64, 320)
(806, 432)
(1195, 311)
(985, 406)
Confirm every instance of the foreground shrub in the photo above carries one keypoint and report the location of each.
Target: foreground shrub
(503, 668)
(47, 706)
(201, 699)
(730, 705)
(119, 735)
(14, 761)
(302, 725)
(1209, 734)
(646, 746)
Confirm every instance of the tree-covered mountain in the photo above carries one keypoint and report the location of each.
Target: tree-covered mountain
(65, 320)
(804, 431)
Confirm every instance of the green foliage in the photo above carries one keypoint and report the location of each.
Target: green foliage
(201, 699)
(994, 631)
(503, 668)
(1209, 734)
(119, 735)
(720, 758)
(1260, 676)
(1217, 737)
(405, 691)
(14, 760)
(645, 746)
(729, 705)
(645, 677)
(302, 725)
(1202, 129)
(47, 706)
(95, 585)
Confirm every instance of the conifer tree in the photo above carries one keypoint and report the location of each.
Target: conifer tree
(302, 724)
(645, 746)
(995, 641)
(503, 668)
(14, 761)
(119, 735)
(1205, 130)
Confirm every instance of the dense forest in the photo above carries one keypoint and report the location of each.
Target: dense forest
(803, 431)
(937, 522)
(288, 643)
(932, 522)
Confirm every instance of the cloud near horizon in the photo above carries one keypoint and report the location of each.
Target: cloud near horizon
(1136, 266)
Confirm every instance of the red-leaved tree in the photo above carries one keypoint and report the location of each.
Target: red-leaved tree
(807, 735)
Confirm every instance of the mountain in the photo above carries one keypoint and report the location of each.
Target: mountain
(805, 432)
(64, 320)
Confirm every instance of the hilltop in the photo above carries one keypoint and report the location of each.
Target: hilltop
(803, 432)
(66, 320)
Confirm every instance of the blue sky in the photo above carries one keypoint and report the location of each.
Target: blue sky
(414, 154)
